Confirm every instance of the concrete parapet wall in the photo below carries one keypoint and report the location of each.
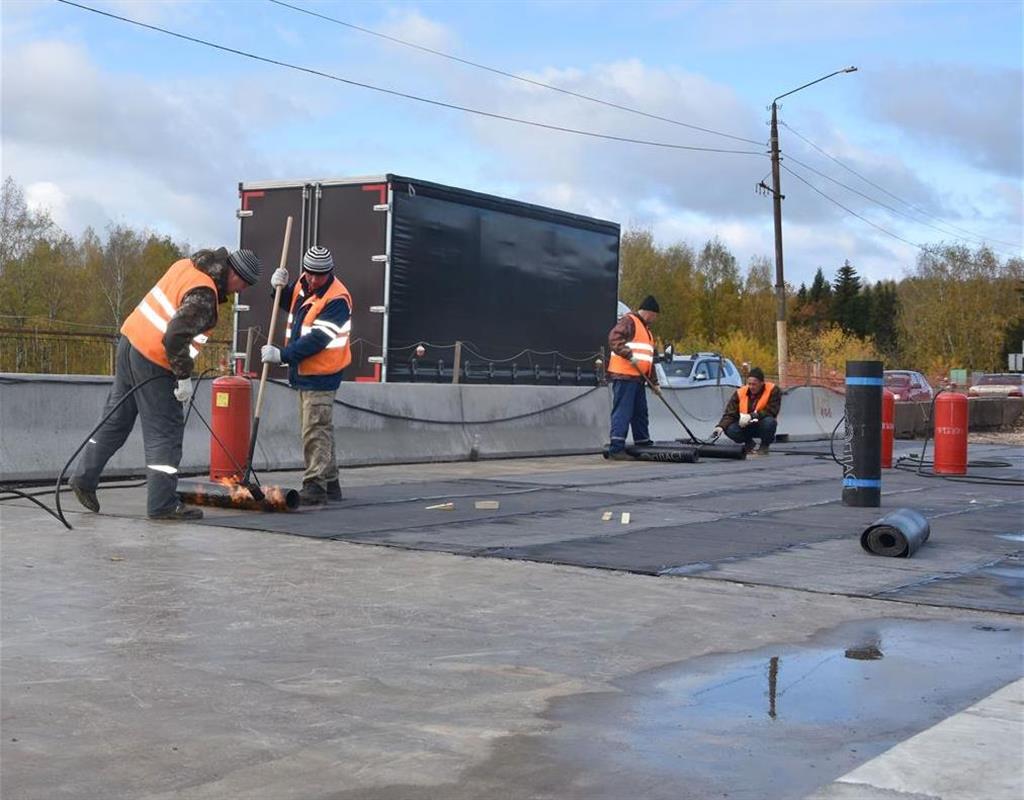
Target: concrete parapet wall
(913, 420)
(808, 412)
(43, 418)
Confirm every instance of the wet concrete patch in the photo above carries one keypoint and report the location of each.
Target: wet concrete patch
(780, 721)
(998, 586)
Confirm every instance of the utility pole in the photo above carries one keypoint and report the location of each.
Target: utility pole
(782, 345)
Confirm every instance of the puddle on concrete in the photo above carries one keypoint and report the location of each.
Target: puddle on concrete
(781, 721)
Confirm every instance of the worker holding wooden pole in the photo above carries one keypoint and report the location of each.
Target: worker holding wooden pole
(316, 351)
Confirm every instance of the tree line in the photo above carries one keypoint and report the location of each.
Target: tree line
(955, 307)
(51, 281)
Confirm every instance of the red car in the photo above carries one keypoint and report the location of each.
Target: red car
(908, 385)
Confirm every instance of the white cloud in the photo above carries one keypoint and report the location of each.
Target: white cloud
(117, 147)
(48, 197)
(413, 27)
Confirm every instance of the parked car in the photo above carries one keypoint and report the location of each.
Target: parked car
(697, 369)
(998, 384)
(908, 385)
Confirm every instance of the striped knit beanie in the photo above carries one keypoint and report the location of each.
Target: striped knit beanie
(247, 264)
(318, 260)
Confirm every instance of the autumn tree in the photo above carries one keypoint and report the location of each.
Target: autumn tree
(956, 306)
(718, 282)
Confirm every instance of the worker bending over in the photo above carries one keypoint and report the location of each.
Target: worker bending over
(752, 413)
(159, 342)
(630, 365)
(316, 351)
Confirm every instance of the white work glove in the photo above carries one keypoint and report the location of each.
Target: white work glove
(744, 420)
(269, 354)
(716, 432)
(279, 278)
(183, 390)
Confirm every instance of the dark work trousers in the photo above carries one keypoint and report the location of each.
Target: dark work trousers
(629, 410)
(763, 429)
(163, 425)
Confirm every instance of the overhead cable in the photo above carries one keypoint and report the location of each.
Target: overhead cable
(512, 75)
(919, 210)
(886, 206)
(851, 211)
(406, 95)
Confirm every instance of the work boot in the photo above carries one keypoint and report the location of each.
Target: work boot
(644, 443)
(87, 497)
(334, 491)
(312, 494)
(180, 513)
(760, 452)
(619, 455)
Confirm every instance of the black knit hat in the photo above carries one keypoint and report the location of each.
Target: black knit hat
(650, 304)
(756, 372)
(318, 260)
(247, 264)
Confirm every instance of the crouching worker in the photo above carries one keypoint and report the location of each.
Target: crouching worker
(316, 351)
(752, 413)
(159, 341)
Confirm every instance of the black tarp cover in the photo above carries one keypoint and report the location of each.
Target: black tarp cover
(500, 276)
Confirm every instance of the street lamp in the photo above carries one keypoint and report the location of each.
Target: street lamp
(782, 347)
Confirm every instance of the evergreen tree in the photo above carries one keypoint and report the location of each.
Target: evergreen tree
(820, 288)
(847, 304)
(885, 323)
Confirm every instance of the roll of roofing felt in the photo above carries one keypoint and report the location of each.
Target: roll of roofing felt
(899, 534)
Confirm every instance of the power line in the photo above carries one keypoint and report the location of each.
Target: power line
(512, 75)
(405, 95)
(851, 211)
(884, 205)
(890, 194)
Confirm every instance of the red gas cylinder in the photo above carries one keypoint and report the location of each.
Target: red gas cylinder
(888, 426)
(951, 434)
(230, 420)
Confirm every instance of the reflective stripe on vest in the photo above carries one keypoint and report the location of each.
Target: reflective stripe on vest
(336, 355)
(642, 348)
(743, 393)
(146, 325)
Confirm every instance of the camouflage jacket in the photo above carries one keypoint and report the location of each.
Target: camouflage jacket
(198, 310)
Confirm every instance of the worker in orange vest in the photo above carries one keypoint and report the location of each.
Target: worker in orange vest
(752, 413)
(632, 358)
(316, 351)
(159, 342)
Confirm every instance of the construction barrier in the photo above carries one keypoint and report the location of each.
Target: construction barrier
(809, 413)
(43, 418)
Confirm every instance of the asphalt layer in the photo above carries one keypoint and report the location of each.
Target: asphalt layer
(688, 519)
(731, 640)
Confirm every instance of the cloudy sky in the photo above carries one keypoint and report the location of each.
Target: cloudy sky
(104, 121)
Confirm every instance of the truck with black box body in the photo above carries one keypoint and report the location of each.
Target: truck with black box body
(528, 292)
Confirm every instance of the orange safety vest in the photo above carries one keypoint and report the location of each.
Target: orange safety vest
(337, 355)
(146, 325)
(642, 348)
(743, 393)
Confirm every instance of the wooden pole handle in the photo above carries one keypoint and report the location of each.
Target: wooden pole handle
(273, 317)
